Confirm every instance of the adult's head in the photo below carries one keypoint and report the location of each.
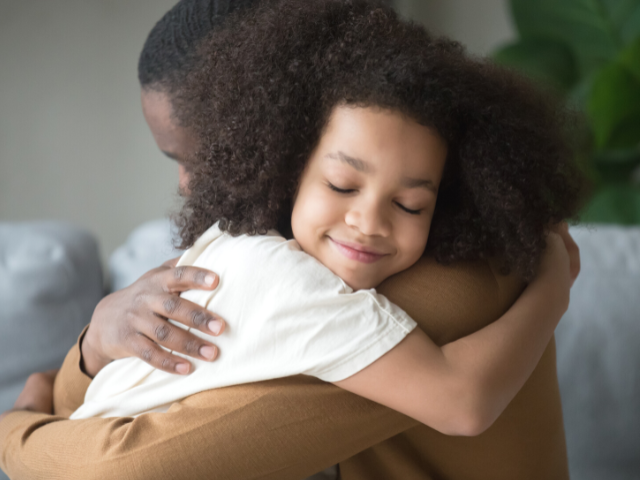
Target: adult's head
(169, 53)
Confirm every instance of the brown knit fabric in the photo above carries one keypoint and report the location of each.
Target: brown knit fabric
(293, 427)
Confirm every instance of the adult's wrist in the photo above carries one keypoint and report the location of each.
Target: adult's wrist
(92, 359)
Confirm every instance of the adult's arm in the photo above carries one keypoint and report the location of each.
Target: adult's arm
(281, 429)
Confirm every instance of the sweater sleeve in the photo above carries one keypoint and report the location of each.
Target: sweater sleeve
(280, 429)
(245, 431)
(71, 382)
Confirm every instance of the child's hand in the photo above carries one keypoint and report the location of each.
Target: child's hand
(562, 229)
(556, 270)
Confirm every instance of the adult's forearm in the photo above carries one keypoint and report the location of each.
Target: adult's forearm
(92, 360)
(247, 431)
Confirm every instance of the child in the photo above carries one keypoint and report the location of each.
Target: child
(340, 124)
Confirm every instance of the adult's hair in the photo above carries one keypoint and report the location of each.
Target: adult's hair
(269, 80)
(170, 49)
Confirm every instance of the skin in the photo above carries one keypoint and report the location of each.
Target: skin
(367, 195)
(173, 140)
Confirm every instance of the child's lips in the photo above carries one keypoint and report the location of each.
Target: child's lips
(358, 252)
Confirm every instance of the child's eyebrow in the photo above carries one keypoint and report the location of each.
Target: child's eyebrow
(420, 183)
(356, 163)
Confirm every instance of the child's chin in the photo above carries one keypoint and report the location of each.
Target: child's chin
(357, 280)
(357, 283)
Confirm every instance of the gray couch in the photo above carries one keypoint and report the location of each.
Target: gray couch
(50, 281)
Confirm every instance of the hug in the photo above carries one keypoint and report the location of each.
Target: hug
(343, 163)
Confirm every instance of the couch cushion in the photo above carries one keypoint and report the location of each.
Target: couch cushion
(148, 246)
(50, 282)
(598, 344)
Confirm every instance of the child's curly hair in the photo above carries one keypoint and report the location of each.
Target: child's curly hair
(271, 76)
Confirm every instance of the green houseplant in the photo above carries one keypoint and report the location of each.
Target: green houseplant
(589, 51)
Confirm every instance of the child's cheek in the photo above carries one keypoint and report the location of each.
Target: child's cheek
(414, 240)
(310, 217)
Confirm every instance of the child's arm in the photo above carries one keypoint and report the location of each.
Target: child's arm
(462, 387)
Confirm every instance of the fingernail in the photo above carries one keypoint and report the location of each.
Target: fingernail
(209, 279)
(182, 368)
(208, 352)
(215, 326)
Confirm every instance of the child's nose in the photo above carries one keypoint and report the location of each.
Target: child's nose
(370, 219)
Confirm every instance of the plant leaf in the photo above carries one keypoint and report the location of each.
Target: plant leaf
(617, 166)
(542, 59)
(614, 101)
(594, 29)
(614, 204)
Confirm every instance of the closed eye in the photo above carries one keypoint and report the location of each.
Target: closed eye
(340, 190)
(408, 210)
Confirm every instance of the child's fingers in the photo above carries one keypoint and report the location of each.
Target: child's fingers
(556, 256)
(573, 250)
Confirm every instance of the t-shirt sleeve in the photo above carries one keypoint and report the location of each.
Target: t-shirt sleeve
(299, 317)
(370, 328)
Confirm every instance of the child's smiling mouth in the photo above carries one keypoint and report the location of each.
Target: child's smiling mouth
(355, 251)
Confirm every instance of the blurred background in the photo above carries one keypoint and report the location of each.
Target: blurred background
(74, 147)
(73, 143)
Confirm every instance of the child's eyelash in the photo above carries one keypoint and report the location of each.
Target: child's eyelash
(351, 190)
(340, 190)
(408, 210)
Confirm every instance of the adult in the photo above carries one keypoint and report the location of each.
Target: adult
(287, 428)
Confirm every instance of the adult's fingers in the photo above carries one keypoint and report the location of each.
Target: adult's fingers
(155, 356)
(188, 313)
(179, 279)
(171, 263)
(174, 338)
(51, 374)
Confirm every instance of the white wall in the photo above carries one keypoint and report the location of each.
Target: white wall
(481, 25)
(73, 143)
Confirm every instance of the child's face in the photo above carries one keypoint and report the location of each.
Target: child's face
(367, 195)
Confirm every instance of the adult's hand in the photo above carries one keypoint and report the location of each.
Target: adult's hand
(132, 322)
(37, 394)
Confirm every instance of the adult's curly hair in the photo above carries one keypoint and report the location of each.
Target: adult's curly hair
(271, 76)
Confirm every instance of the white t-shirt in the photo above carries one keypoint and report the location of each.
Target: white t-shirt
(286, 314)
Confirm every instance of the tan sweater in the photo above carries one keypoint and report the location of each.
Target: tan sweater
(291, 428)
